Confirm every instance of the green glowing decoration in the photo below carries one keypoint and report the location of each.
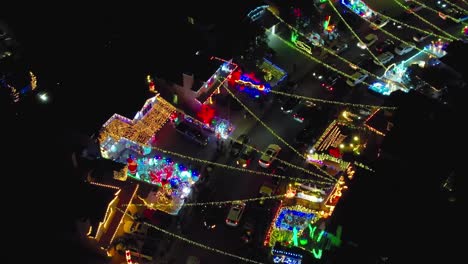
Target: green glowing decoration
(294, 36)
(312, 231)
(317, 254)
(320, 236)
(303, 241)
(295, 237)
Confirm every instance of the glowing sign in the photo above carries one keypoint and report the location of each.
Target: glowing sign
(286, 259)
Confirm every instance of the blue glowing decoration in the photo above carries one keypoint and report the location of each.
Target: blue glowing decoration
(289, 219)
(249, 84)
(358, 7)
(380, 88)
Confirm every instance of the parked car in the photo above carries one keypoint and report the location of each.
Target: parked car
(368, 41)
(413, 7)
(210, 220)
(384, 58)
(384, 46)
(404, 48)
(339, 47)
(357, 78)
(238, 145)
(235, 213)
(248, 230)
(289, 105)
(329, 81)
(303, 112)
(364, 62)
(379, 22)
(192, 133)
(267, 189)
(321, 71)
(421, 36)
(306, 136)
(245, 157)
(269, 155)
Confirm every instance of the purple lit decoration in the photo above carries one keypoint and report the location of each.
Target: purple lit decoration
(251, 85)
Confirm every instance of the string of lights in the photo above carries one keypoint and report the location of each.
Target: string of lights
(274, 133)
(237, 168)
(457, 6)
(413, 27)
(354, 33)
(435, 11)
(330, 51)
(220, 203)
(191, 242)
(465, 2)
(425, 20)
(397, 38)
(328, 66)
(332, 102)
(286, 163)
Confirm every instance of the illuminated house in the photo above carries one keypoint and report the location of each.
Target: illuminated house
(200, 78)
(120, 134)
(104, 231)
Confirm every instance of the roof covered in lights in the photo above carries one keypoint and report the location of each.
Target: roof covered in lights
(152, 116)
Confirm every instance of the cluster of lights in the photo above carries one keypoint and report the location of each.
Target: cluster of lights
(128, 257)
(459, 7)
(104, 185)
(441, 14)
(354, 33)
(124, 212)
(271, 131)
(425, 20)
(191, 242)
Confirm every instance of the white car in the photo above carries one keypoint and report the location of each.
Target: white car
(368, 41)
(235, 213)
(269, 155)
(404, 48)
(357, 78)
(379, 22)
(384, 58)
(421, 36)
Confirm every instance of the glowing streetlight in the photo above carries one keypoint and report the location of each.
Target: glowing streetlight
(43, 97)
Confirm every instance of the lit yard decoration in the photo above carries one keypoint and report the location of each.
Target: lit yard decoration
(283, 256)
(358, 7)
(120, 133)
(250, 84)
(287, 220)
(316, 240)
(273, 73)
(174, 179)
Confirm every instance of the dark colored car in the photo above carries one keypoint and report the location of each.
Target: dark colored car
(330, 81)
(238, 145)
(306, 136)
(248, 230)
(289, 105)
(321, 71)
(304, 112)
(210, 220)
(387, 45)
(192, 133)
(364, 62)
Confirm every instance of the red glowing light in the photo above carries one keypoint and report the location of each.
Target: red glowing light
(206, 114)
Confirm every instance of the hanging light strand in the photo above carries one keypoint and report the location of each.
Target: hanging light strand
(413, 27)
(425, 20)
(397, 38)
(234, 168)
(354, 33)
(332, 102)
(457, 6)
(329, 178)
(330, 51)
(273, 132)
(328, 66)
(274, 197)
(435, 11)
(191, 242)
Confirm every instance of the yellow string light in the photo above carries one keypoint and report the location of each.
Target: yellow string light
(330, 51)
(274, 133)
(436, 11)
(395, 37)
(332, 102)
(150, 205)
(413, 27)
(354, 33)
(425, 20)
(200, 245)
(457, 6)
(287, 163)
(328, 66)
(234, 168)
